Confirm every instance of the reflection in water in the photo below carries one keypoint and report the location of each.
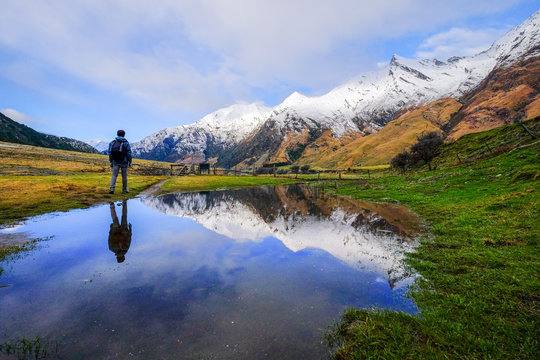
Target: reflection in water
(119, 233)
(367, 236)
(264, 275)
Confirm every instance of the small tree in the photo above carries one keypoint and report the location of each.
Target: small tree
(305, 169)
(427, 147)
(403, 161)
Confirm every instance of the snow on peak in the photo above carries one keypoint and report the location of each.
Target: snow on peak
(522, 41)
(372, 98)
(237, 120)
(223, 127)
(100, 144)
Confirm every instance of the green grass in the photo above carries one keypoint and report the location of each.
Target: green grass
(216, 182)
(30, 349)
(479, 287)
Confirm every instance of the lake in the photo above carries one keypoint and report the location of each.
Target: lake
(256, 273)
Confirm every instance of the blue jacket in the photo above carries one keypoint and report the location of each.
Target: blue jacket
(127, 158)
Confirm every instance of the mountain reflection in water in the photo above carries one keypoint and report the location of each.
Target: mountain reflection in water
(371, 237)
(257, 273)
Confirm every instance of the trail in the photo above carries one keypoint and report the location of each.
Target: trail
(152, 190)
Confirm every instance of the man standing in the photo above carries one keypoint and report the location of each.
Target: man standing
(120, 158)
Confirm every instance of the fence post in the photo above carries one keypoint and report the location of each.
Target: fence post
(527, 129)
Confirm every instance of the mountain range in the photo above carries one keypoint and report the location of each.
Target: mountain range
(372, 117)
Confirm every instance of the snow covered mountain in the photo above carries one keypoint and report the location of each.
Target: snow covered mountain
(366, 103)
(252, 134)
(373, 98)
(100, 145)
(207, 137)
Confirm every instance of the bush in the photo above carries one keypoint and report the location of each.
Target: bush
(403, 161)
(427, 147)
(305, 169)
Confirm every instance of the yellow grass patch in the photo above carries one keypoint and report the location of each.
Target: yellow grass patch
(24, 196)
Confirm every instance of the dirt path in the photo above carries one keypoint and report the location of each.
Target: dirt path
(152, 190)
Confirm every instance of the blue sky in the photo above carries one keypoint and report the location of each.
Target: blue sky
(86, 68)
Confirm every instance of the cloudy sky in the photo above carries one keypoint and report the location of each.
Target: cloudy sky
(86, 68)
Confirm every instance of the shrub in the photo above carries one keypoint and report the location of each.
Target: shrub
(427, 147)
(403, 161)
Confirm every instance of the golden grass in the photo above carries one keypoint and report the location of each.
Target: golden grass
(16, 159)
(36, 180)
(25, 196)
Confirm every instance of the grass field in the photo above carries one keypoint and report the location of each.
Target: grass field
(479, 288)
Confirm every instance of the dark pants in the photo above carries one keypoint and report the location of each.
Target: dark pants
(115, 170)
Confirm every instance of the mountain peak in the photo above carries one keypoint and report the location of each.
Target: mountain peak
(521, 42)
(394, 60)
(294, 98)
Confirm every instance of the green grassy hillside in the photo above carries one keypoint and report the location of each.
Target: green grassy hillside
(478, 292)
(12, 131)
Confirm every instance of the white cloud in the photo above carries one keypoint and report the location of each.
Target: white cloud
(20, 117)
(200, 55)
(458, 42)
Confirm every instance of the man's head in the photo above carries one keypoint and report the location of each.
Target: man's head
(121, 133)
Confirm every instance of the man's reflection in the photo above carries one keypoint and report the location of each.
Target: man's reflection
(120, 233)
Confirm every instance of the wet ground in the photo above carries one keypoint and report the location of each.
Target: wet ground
(258, 273)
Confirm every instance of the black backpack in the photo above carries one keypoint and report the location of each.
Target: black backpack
(118, 150)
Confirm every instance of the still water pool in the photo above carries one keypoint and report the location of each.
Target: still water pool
(257, 273)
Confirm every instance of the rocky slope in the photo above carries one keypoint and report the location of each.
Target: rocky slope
(506, 95)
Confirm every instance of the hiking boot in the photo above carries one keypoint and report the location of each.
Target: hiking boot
(125, 192)
(111, 191)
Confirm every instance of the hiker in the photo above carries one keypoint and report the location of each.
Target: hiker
(120, 158)
(120, 233)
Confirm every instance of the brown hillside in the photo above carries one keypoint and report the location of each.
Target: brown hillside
(381, 147)
(506, 95)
